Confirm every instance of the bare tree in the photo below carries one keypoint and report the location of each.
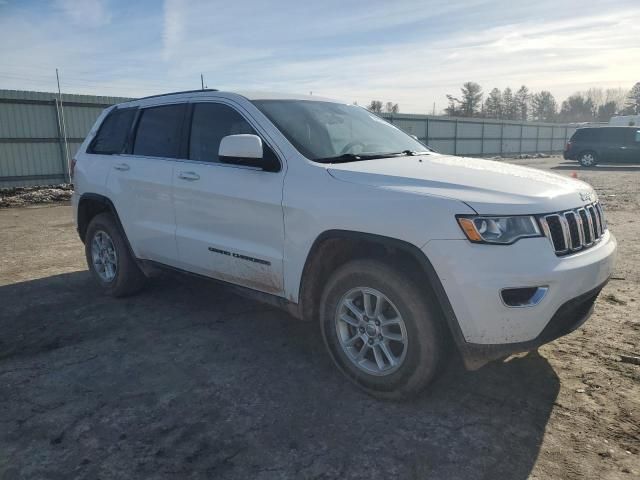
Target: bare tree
(391, 107)
(617, 96)
(606, 111)
(577, 108)
(375, 106)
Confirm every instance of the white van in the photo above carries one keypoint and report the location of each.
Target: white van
(625, 121)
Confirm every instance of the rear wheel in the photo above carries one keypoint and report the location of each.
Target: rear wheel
(109, 259)
(588, 159)
(381, 331)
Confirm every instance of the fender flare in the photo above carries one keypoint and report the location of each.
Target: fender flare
(423, 262)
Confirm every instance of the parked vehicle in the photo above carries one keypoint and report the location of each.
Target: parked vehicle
(625, 121)
(327, 210)
(593, 145)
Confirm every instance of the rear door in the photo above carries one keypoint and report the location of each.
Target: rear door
(229, 217)
(140, 182)
(615, 144)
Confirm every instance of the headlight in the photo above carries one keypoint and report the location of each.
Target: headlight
(499, 230)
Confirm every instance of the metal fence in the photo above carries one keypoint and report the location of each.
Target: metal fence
(33, 150)
(32, 146)
(483, 137)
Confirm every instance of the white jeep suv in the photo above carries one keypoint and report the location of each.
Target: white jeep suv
(332, 213)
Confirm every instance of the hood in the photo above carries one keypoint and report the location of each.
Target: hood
(489, 187)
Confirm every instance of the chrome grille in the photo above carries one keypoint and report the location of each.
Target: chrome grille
(574, 230)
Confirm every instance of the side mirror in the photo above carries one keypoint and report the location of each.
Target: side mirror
(241, 149)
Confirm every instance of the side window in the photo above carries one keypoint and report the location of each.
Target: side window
(616, 136)
(637, 136)
(587, 135)
(113, 132)
(159, 131)
(211, 122)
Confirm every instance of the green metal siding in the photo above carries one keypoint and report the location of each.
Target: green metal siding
(31, 150)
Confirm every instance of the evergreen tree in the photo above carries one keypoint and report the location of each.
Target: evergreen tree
(468, 105)
(493, 104)
(544, 107)
(632, 106)
(521, 100)
(508, 105)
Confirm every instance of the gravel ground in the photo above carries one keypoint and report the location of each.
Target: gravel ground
(187, 380)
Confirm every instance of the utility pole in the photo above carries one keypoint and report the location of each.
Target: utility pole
(64, 128)
(202, 81)
(434, 108)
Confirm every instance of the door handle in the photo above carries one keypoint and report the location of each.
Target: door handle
(189, 176)
(123, 167)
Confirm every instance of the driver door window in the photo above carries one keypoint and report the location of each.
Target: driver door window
(211, 122)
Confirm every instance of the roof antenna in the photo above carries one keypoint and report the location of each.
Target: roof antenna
(202, 81)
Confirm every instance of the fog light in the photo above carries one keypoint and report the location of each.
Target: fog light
(523, 296)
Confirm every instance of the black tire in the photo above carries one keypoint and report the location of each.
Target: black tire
(128, 278)
(588, 159)
(427, 343)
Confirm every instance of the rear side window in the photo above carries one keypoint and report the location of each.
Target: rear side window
(113, 132)
(587, 135)
(211, 122)
(159, 131)
(617, 135)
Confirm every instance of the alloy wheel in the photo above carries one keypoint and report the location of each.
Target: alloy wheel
(371, 331)
(104, 256)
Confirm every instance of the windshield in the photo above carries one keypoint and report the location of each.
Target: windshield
(328, 132)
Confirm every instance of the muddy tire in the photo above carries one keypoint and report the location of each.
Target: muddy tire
(109, 259)
(381, 330)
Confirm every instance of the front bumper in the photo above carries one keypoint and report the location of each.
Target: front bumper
(472, 276)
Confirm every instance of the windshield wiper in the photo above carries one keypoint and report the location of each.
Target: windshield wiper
(411, 153)
(354, 157)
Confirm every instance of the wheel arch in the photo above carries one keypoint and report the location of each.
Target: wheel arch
(92, 204)
(333, 248)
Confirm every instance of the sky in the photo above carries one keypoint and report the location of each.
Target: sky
(409, 52)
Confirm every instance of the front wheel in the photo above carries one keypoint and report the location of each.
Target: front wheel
(588, 159)
(381, 331)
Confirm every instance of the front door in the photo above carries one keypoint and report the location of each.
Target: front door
(229, 220)
(632, 146)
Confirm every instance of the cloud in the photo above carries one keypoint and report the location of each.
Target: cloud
(173, 27)
(412, 52)
(89, 13)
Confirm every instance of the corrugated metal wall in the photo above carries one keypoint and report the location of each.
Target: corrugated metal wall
(483, 137)
(32, 150)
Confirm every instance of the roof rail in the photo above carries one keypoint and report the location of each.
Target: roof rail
(176, 93)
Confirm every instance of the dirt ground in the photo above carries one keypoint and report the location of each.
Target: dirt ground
(187, 380)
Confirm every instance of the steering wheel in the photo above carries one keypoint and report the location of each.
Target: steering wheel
(350, 145)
